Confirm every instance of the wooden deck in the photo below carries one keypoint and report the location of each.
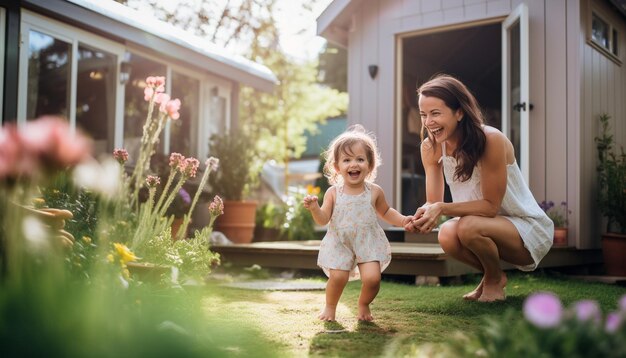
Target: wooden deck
(421, 257)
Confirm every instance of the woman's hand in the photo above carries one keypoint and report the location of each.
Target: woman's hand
(427, 218)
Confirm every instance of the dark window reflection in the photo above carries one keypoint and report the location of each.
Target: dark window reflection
(48, 85)
(183, 132)
(95, 96)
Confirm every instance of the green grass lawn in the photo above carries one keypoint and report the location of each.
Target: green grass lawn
(406, 316)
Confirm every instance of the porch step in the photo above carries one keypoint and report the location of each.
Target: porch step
(408, 258)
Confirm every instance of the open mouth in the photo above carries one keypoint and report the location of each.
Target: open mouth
(354, 174)
(436, 131)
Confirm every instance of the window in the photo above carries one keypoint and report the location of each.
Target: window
(183, 132)
(95, 96)
(49, 63)
(604, 36)
(68, 72)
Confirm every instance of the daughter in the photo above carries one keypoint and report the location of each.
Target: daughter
(355, 245)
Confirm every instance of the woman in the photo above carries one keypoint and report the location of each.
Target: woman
(495, 215)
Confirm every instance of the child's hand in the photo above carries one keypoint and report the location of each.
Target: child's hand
(310, 201)
(406, 220)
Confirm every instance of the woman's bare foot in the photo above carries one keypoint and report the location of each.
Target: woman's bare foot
(495, 291)
(328, 313)
(364, 313)
(475, 295)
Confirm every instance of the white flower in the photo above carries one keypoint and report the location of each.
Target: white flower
(102, 178)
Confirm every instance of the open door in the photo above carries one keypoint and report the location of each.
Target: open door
(515, 84)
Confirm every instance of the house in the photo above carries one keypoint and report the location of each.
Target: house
(543, 70)
(87, 61)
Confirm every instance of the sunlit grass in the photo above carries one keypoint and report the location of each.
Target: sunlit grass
(406, 316)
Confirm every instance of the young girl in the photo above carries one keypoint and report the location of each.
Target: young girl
(355, 245)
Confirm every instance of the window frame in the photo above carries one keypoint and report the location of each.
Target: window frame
(612, 31)
(74, 36)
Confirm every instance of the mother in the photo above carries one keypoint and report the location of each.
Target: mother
(495, 215)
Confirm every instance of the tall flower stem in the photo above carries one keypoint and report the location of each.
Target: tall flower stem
(170, 179)
(187, 217)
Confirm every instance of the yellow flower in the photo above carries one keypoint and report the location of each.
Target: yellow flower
(39, 202)
(312, 190)
(110, 258)
(124, 252)
(87, 239)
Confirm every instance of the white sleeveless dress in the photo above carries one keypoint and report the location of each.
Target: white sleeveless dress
(518, 206)
(354, 235)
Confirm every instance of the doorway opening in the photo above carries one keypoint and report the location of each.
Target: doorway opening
(471, 54)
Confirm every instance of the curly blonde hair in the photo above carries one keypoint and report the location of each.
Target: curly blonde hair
(343, 143)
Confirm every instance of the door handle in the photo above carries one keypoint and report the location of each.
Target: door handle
(521, 106)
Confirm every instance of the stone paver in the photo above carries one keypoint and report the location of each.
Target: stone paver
(278, 285)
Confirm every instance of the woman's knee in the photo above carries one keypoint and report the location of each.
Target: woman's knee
(468, 229)
(447, 236)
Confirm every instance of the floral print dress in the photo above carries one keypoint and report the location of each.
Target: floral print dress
(354, 235)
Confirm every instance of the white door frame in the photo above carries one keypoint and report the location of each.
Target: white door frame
(518, 15)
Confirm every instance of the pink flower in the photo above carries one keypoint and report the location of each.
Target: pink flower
(613, 322)
(147, 93)
(176, 159)
(587, 310)
(121, 155)
(212, 163)
(543, 309)
(216, 208)
(189, 167)
(172, 107)
(152, 181)
(49, 138)
(156, 82)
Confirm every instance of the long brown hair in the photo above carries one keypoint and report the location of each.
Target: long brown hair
(455, 95)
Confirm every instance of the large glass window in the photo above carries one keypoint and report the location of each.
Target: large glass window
(183, 132)
(49, 63)
(95, 96)
(135, 107)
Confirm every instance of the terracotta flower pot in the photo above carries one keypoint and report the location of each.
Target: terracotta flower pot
(238, 221)
(614, 253)
(560, 236)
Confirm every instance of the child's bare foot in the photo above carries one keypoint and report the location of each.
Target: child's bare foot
(364, 313)
(476, 293)
(328, 313)
(495, 291)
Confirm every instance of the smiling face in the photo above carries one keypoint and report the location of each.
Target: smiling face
(440, 120)
(353, 165)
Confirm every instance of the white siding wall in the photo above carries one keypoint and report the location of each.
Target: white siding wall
(603, 91)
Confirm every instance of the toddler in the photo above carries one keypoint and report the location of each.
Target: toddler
(355, 246)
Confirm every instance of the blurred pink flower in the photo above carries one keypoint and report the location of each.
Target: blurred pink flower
(212, 163)
(189, 167)
(172, 107)
(176, 160)
(45, 144)
(216, 207)
(152, 181)
(613, 322)
(587, 310)
(147, 93)
(121, 155)
(543, 309)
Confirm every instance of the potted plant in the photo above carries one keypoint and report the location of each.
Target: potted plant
(558, 215)
(237, 175)
(611, 170)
